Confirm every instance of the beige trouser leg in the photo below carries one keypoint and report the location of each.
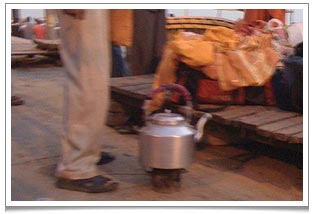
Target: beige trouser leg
(86, 55)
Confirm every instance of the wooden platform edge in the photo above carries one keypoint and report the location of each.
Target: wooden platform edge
(239, 120)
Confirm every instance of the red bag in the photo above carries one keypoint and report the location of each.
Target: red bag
(205, 90)
(208, 92)
(269, 93)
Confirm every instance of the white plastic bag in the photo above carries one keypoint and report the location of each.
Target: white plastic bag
(279, 42)
(278, 30)
(295, 32)
(283, 50)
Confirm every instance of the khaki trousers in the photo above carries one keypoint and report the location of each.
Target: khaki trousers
(86, 54)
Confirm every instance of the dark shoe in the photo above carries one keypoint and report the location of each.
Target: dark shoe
(15, 101)
(127, 129)
(95, 184)
(105, 158)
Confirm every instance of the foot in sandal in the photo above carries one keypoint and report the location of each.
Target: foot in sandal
(97, 184)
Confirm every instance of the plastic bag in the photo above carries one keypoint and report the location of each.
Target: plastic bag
(279, 42)
(295, 32)
(278, 30)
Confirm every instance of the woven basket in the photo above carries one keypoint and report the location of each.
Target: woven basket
(195, 24)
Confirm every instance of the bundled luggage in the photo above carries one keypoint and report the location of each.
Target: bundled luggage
(237, 66)
(205, 90)
(288, 84)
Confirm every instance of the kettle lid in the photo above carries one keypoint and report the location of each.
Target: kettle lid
(167, 119)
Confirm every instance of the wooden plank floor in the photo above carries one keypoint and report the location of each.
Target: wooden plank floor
(20, 46)
(137, 87)
(269, 123)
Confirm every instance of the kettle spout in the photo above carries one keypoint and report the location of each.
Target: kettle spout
(200, 126)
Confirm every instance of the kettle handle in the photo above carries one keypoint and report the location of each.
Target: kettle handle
(173, 87)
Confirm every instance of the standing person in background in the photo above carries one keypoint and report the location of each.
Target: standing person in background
(149, 37)
(119, 67)
(25, 30)
(251, 15)
(39, 30)
(86, 54)
(121, 31)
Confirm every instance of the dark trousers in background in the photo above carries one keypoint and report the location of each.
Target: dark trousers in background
(149, 37)
(119, 67)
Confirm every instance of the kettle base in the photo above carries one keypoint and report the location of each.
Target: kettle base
(166, 180)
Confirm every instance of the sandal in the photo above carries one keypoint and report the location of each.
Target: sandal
(105, 158)
(16, 101)
(95, 184)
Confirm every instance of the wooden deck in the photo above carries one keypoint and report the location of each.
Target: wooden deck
(268, 125)
(20, 47)
(264, 124)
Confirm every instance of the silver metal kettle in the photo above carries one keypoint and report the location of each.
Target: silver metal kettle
(168, 140)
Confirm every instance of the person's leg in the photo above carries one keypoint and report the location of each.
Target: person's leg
(119, 68)
(116, 63)
(142, 49)
(85, 51)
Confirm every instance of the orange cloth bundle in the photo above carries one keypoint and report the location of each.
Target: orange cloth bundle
(246, 68)
(222, 36)
(233, 60)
